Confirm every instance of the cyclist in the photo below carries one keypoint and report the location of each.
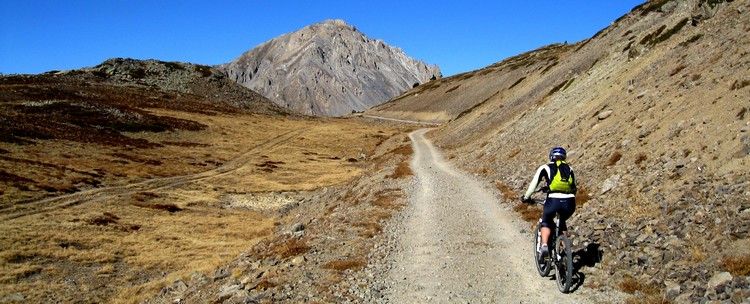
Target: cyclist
(561, 190)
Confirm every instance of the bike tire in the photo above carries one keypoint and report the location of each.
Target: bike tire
(563, 263)
(544, 267)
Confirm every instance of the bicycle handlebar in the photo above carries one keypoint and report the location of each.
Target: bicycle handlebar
(533, 200)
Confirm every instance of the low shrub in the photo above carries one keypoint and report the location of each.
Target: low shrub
(739, 84)
(640, 158)
(402, 170)
(507, 192)
(631, 285)
(741, 113)
(342, 265)
(691, 40)
(285, 249)
(614, 158)
(103, 220)
(529, 212)
(738, 266)
(171, 208)
(582, 196)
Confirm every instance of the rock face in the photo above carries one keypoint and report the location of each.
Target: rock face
(329, 68)
(185, 78)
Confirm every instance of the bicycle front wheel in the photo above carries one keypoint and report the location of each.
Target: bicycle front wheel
(563, 263)
(545, 266)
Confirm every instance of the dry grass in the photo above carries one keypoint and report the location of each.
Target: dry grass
(582, 196)
(405, 150)
(640, 158)
(631, 285)
(676, 70)
(614, 158)
(288, 248)
(514, 153)
(386, 202)
(161, 217)
(266, 284)
(402, 169)
(388, 199)
(171, 208)
(342, 265)
(371, 229)
(529, 212)
(647, 299)
(507, 192)
(639, 207)
(737, 265)
(123, 247)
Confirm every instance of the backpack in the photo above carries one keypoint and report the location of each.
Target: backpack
(562, 181)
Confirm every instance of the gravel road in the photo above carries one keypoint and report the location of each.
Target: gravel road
(454, 243)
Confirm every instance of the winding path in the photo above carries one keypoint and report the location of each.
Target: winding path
(457, 244)
(153, 184)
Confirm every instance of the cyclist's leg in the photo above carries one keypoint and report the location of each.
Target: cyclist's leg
(548, 215)
(566, 208)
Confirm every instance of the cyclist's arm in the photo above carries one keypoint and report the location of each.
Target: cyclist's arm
(534, 182)
(574, 187)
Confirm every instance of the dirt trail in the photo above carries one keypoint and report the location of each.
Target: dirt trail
(402, 120)
(458, 245)
(107, 193)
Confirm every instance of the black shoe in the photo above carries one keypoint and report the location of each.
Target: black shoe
(543, 253)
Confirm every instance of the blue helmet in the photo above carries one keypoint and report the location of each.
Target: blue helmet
(557, 153)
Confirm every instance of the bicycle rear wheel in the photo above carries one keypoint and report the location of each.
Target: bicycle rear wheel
(563, 263)
(544, 267)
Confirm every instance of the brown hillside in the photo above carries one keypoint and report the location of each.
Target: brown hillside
(653, 111)
(118, 181)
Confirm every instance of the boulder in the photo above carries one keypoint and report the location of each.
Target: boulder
(719, 279)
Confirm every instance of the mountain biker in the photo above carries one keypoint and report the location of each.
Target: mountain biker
(561, 197)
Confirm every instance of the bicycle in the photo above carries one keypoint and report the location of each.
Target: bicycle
(560, 255)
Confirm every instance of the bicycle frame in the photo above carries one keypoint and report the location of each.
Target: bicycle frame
(560, 255)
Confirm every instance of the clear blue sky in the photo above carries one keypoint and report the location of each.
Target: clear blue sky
(42, 35)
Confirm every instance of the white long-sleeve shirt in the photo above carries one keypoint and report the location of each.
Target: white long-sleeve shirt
(544, 169)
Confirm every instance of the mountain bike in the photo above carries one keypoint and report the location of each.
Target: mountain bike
(560, 255)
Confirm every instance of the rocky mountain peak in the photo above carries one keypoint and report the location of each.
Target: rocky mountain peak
(328, 68)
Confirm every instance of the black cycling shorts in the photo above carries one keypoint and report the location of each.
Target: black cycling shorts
(564, 206)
